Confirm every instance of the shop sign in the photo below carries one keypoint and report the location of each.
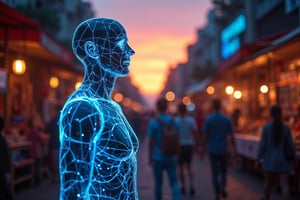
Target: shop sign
(230, 36)
(3, 81)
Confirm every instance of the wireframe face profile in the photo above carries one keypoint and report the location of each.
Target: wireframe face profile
(105, 42)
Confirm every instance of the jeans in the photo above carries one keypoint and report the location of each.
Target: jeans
(219, 171)
(170, 167)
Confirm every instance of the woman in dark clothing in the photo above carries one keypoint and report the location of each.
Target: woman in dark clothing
(275, 135)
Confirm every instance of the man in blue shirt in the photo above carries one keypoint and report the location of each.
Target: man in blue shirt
(217, 130)
(157, 159)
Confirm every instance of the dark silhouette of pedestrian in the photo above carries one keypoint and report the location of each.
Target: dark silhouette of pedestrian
(217, 133)
(157, 159)
(53, 145)
(276, 136)
(188, 132)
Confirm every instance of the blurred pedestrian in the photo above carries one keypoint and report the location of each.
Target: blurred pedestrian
(276, 136)
(199, 117)
(188, 132)
(217, 130)
(157, 159)
(236, 115)
(5, 176)
(296, 125)
(53, 144)
(37, 138)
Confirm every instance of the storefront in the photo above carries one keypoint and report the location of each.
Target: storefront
(50, 74)
(36, 75)
(259, 80)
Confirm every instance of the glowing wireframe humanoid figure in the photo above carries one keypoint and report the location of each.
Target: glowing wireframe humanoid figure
(98, 146)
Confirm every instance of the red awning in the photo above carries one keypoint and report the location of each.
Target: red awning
(18, 33)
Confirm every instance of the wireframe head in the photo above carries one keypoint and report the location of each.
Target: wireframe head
(104, 42)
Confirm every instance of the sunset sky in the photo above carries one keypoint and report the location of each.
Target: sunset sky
(159, 32)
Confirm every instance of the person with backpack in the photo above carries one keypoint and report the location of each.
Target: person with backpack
(158, 160)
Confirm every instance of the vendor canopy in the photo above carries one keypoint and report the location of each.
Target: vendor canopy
(19, 32)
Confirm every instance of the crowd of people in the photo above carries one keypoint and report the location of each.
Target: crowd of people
(213, 136)
(199, 135)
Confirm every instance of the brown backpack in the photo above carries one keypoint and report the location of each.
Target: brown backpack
(170, 138)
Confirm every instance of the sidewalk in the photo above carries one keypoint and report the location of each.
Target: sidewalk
(241, 185)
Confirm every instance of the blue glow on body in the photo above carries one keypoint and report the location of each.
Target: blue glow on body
(97, 144)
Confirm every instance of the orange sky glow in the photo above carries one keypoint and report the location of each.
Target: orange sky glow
(158, 31)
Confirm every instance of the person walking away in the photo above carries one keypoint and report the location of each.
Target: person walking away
(218, 134)
(53, 145)
(157, 159)
(5, 176)
(188, 140)
(274, 138)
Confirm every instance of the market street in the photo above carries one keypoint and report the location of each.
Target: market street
(241, 185)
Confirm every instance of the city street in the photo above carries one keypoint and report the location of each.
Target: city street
(241, 185)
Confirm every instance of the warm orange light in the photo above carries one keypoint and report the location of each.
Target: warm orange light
(170, 96)
(77, 85)
(186, 100)
(229, 90)
(210, 90)
(54, 82)
(237, 94)
(118, 97)
(264, 89)
(19, 66)
(126, 102)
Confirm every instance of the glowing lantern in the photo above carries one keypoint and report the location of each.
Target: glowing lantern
(54, 82)
(19, 66)
(264, 89)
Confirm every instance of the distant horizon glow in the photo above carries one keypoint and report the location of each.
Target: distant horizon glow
(159, 31)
